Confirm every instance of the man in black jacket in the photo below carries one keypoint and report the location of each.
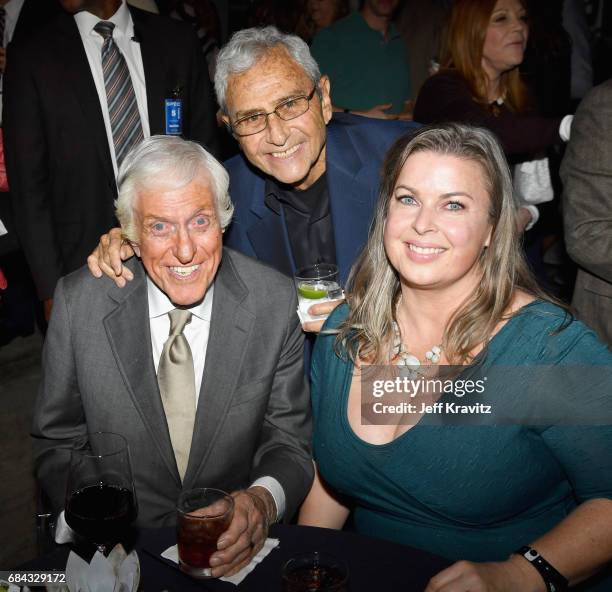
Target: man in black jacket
(60, 134)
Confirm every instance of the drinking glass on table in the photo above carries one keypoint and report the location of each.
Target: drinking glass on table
(203, 515)
(315, 284)
(316, 571)
(100, 496)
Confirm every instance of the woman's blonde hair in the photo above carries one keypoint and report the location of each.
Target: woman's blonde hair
(462, 49)
(373, 287)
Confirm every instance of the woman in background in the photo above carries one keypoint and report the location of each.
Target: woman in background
(442, 279)
(480, 82)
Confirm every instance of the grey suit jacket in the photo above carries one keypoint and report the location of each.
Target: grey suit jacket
(253, 414)
(586, 172)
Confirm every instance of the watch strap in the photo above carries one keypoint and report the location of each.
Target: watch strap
(555, 582)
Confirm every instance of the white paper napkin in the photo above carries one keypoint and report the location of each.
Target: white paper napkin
(532, 182)
(118, 572)
(171, 553)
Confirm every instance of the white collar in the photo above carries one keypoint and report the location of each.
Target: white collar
(160, 304)
(122, 19)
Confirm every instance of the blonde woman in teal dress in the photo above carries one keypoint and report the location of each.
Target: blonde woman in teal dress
(442, 276)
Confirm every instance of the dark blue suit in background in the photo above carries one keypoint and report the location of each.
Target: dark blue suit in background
(356, 147)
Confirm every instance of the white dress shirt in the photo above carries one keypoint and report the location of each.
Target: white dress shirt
(123, 34)
(196, 331)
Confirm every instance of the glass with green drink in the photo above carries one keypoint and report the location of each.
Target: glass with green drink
(315, 284)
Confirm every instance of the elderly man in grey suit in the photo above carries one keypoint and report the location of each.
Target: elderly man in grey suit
(198, 362)
(586, 172)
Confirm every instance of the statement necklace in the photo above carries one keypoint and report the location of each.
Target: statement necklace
(405, 358)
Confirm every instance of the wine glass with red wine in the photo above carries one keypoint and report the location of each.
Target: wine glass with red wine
(100, 496)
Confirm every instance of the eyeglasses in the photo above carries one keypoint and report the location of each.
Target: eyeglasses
(287, 110)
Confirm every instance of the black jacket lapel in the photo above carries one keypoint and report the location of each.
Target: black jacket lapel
(78, 77)
(153, 65)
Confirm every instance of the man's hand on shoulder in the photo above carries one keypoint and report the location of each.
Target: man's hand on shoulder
(254, 511)
(107, 258)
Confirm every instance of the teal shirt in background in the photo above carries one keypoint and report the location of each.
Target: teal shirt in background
(473, 492)
(365, 69)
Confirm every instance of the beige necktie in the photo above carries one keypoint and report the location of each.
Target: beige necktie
(176, 380)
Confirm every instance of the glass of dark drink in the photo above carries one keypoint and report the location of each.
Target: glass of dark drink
(203, 515)
(100, 496)
(315, 572)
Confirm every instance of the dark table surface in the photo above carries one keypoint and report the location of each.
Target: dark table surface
(374, 564)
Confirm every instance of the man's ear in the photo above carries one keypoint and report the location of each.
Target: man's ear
(326, 103)
(136, 248)
(225, 120)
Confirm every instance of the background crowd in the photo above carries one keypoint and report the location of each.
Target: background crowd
(325, 161)
(379, 57)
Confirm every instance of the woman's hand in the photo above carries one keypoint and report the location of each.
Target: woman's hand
(507, 576)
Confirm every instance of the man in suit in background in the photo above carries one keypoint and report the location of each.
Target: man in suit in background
(224, 411)
(586, 172)
(19, 19)
(305, 184)
(78, 94)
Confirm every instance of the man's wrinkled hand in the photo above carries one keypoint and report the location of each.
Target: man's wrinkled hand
(107, 258)
(254, 510)
(323, 308)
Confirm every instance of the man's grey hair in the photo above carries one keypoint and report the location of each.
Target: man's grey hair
(248, 46)
(167, 163)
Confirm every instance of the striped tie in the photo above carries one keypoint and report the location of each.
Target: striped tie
(122, 106)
